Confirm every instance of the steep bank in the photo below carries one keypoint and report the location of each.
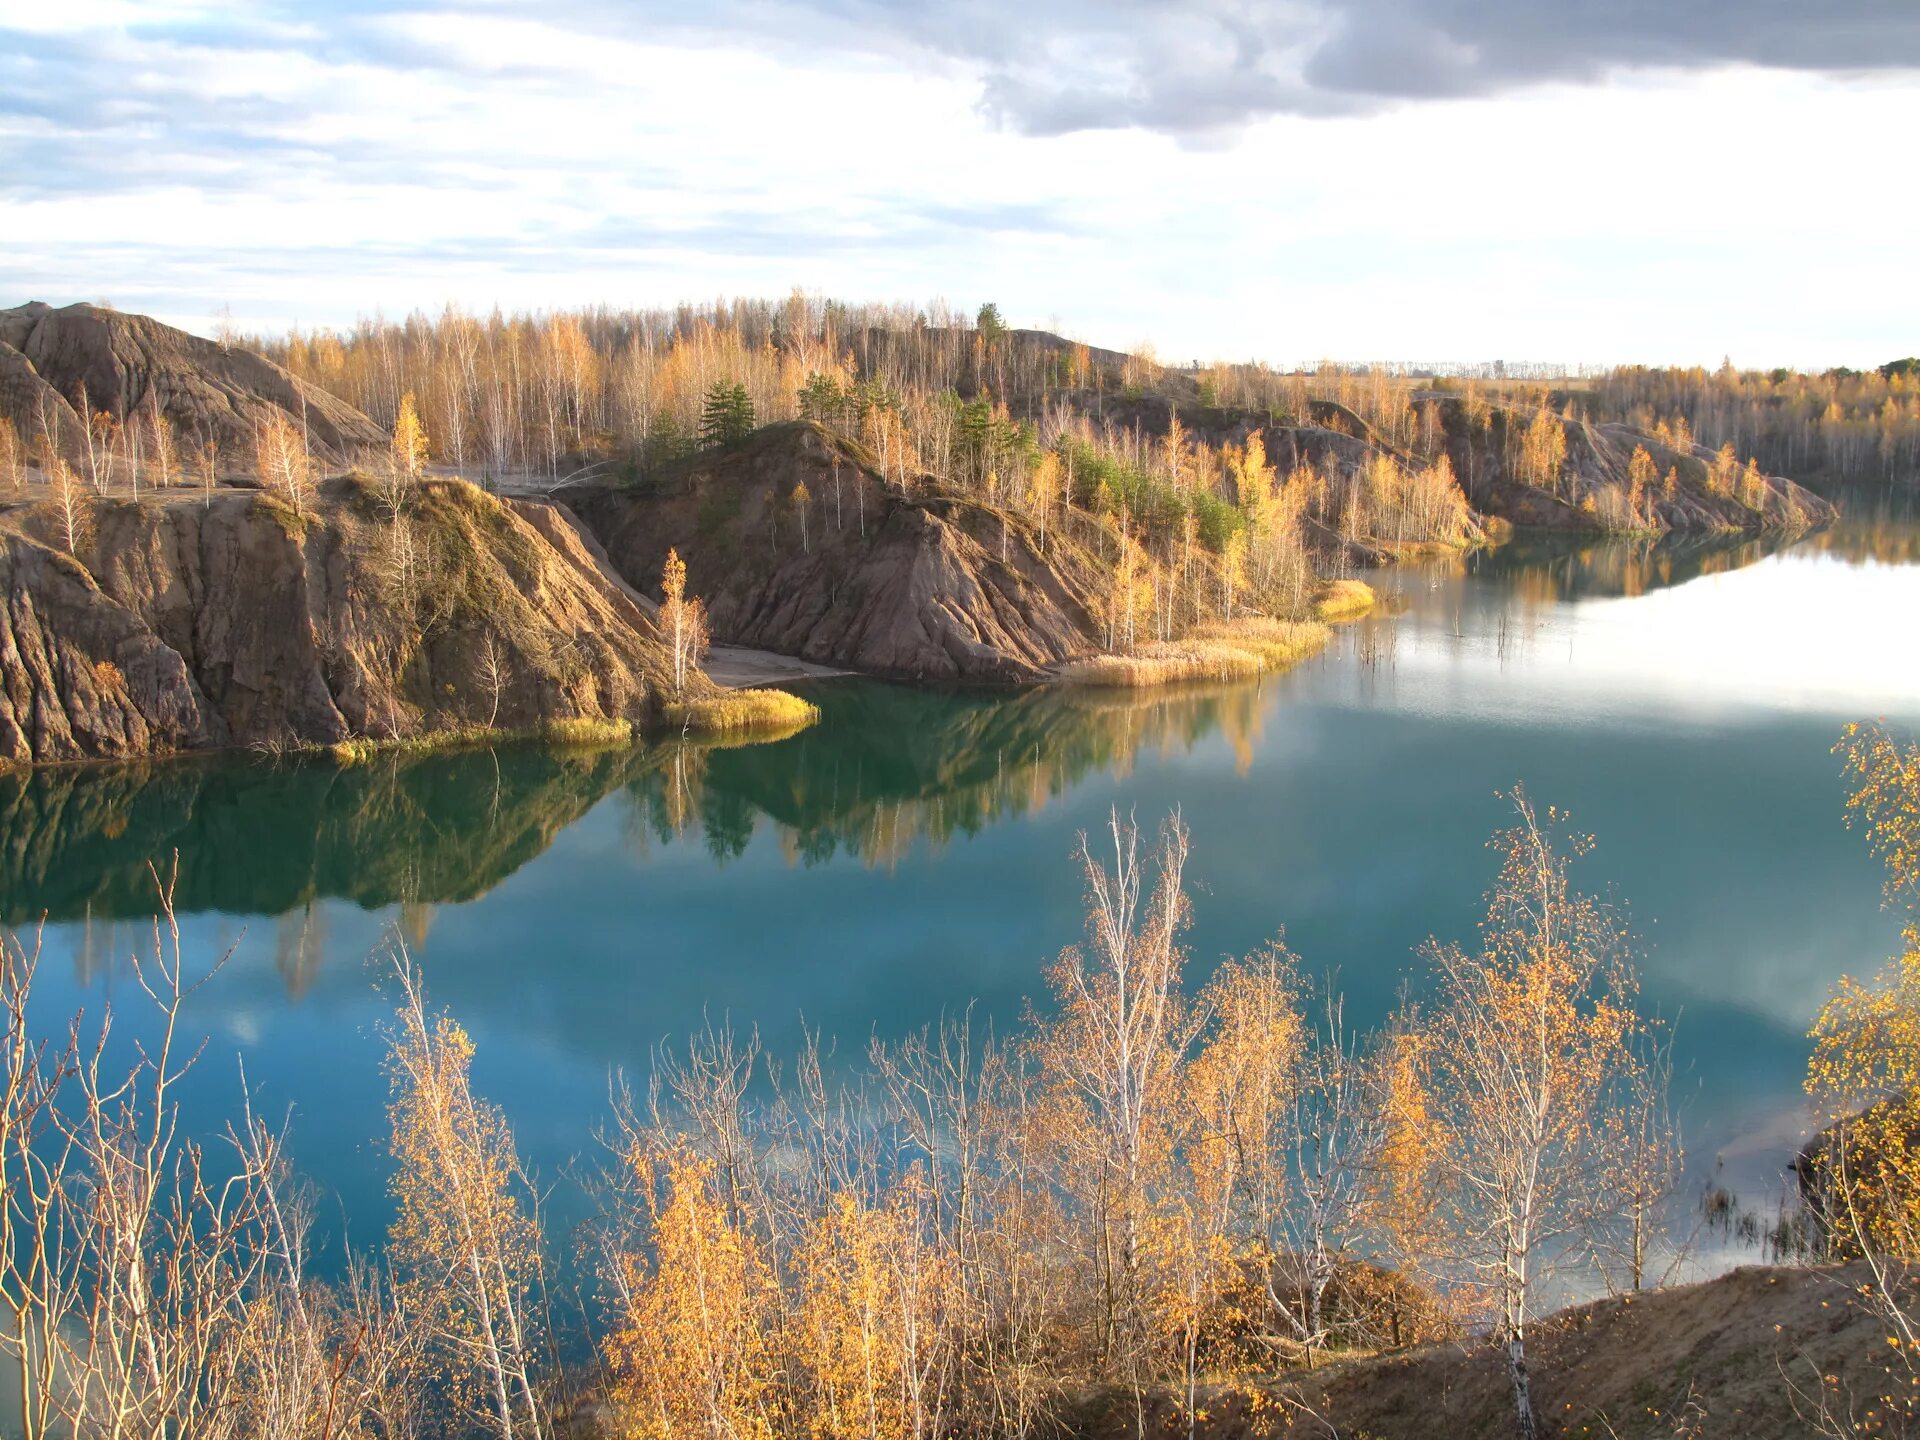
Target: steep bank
(57, 364)
(189, 624)
(856, 573)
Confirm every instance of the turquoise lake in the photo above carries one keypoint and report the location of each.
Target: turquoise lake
(912, 853)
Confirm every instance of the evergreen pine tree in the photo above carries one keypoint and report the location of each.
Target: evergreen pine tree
(727, 417)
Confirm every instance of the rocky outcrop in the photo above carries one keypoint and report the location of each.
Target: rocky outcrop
(194, 624)
(857, 575)
(1595, 485)
(57, 364)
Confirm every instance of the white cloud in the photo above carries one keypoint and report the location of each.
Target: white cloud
(181, 158)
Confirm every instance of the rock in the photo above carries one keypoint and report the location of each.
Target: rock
(925, 588)
(80, 674)
(195, 624)
(57, 362)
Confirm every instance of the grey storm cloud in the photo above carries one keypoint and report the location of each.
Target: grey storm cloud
(1194, 66)
(1185, 66)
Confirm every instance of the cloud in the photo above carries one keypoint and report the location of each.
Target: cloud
(1190, 68)
(1283, 178)
(1193, 66)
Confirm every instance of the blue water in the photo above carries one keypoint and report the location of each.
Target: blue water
(911, 854)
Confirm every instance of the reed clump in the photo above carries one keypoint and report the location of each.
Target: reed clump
(737, 712)
(575, 730)
(1219, 650)
(1345, 600)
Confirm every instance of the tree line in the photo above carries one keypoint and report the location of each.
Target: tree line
(1840, 424)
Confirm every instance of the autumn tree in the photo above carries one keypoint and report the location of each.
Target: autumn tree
(801, 499)
(1238, 1086)
(73, 507)
(1543, 452)
(1643, 477)
(133, 1260)
(1110, 1056)
(465, 1238)
(1406, 1198)
(695, 1301)
(13, 469)
(1865, 1069)
(1862, 1174)
(409, 447)
(869, 1295)
(281, 462)
(1334, 1135)
(683, 622)
(1524, 1049)
(163, 452)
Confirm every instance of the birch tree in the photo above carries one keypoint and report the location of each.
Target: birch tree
(1526, 1043)
(465, 1239)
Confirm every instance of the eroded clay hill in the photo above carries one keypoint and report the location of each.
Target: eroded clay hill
(195, 624)
(914, 586)
(56, 364)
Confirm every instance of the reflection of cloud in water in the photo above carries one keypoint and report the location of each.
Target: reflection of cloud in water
(1797, 632)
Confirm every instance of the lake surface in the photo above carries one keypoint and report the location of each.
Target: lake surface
(575, 909)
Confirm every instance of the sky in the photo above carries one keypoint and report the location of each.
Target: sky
(1572, 181)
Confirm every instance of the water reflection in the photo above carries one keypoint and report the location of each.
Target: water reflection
(260, 838)
(889, 768)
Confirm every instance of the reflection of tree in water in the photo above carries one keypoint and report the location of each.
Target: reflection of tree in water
(300, 946)
(1881, 526)
(891, 767)
(254, 838)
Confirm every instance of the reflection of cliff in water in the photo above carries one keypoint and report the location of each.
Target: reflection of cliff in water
(257, 838)
(1880, 527)
(1542, 570)
(890, 765)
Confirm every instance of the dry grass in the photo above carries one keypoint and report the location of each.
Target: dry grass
(735, 712)
(1345, 600)
(576, 731)
(1223, 650)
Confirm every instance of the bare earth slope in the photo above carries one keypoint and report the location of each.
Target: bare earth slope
(921, 588)
(193, 624)
(1735, 1358)
(60, 362)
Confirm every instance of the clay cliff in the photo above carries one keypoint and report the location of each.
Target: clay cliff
(915, 585)
(187, 624)
(59, 367)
